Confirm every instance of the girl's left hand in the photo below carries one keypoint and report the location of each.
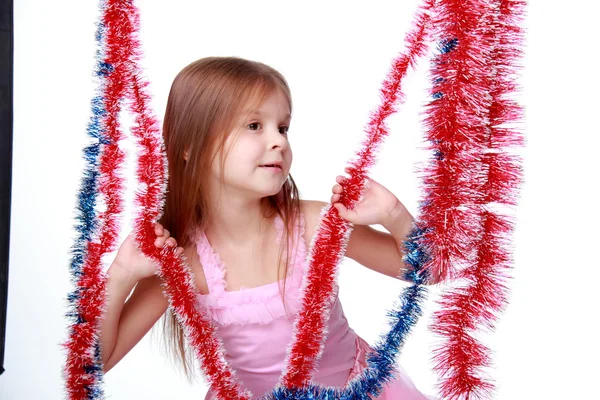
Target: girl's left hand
(377, 206)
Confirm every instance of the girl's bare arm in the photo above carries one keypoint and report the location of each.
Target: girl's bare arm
(376, 250)
(126, 322)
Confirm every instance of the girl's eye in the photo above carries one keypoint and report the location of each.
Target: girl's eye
(254, 126)
(284, 130)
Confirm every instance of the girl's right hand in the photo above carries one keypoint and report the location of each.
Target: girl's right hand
(130, 259)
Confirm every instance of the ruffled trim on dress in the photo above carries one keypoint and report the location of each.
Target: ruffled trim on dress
(214, 268)
(261, 304)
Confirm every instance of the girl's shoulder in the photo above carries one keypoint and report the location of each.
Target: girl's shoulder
(190, 255)
(311, 209)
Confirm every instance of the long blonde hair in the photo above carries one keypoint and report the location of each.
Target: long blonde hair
(206, 99)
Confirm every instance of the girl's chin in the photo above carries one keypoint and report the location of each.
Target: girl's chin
(278, 192)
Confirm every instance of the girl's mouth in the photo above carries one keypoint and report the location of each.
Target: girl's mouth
(272, 167)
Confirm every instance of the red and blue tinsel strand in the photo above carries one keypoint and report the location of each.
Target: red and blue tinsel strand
(381, 361)
(460, 102)
(86, 226)
(453, 211)
(461, 359)
(83, 370)
(310, 325)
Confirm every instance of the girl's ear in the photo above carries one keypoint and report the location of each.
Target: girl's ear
(186, 155)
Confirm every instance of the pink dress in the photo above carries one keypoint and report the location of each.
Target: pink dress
(256, 328)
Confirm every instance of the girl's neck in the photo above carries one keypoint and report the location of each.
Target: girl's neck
(237, 225)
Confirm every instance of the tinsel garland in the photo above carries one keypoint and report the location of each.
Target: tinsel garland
(178, 280)
(330, 241)
(476, 172)
(78, 363)
(181, 289)
(326, 250)
(83, 370)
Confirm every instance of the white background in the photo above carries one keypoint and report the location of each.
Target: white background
(334, 56)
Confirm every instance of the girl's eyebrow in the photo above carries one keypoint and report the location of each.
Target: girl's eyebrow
(256, 112)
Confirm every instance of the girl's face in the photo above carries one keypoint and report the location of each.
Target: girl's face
(260, 156)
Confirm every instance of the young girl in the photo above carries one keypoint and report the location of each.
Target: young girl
(235, 211)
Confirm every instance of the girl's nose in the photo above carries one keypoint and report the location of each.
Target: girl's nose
(277, 139)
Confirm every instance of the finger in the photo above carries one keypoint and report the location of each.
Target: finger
(341, 209)
(166, 233)
(171, 242)
(337, 189)
(159, 242)
(179, 251)
(158, 229)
